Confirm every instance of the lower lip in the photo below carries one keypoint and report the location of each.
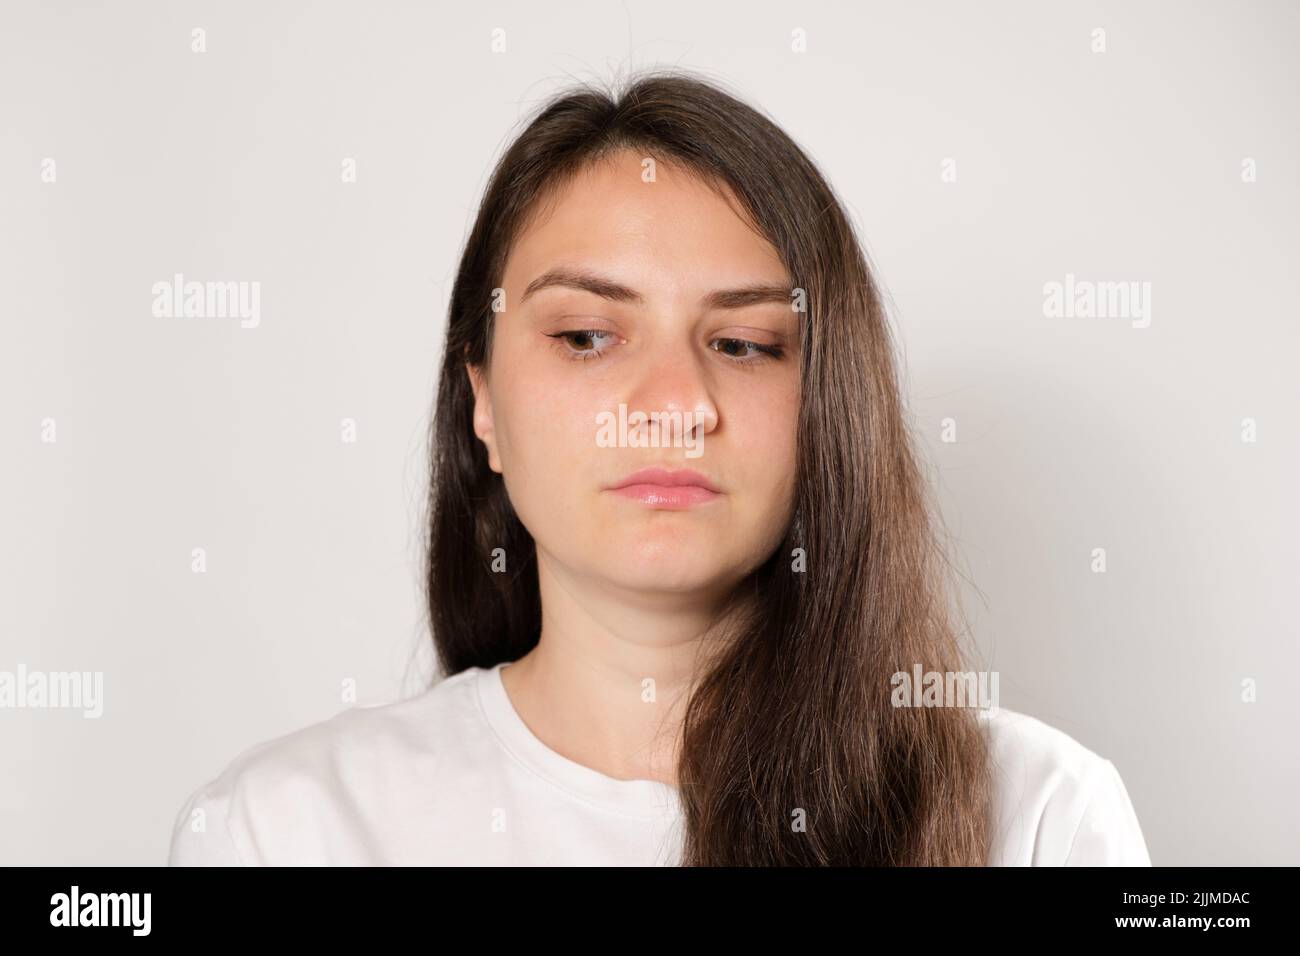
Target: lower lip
(674, 497)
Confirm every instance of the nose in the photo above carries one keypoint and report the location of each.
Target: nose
(673, 382)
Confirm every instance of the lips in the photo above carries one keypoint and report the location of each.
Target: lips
(662, 488)
(680, 478)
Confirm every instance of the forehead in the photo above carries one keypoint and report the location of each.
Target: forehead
(676, 233)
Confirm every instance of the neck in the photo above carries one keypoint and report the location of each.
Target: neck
(607, 684)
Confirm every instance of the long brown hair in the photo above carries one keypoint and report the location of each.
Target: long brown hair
(796, 713)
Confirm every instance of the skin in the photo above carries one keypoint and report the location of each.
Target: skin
(632, 591)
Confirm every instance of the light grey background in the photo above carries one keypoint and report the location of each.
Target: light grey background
(1072, 434)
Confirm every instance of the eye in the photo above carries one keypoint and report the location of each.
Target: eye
(736, 348)
(579, 344)
(582, 345)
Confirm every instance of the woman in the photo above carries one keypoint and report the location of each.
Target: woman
(679, 549)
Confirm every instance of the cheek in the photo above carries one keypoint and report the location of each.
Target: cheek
(766, 430)
(764, 423)
(551, 426)
(546, 430)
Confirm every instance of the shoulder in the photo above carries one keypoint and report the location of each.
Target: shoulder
(1055, 802)
(277, 798)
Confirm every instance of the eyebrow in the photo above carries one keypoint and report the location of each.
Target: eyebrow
(754, 294)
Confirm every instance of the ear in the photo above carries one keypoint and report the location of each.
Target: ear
(484, 426)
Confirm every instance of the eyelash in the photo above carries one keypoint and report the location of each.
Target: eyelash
(764, 353)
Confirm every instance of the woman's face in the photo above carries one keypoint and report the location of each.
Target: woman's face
(667, 320)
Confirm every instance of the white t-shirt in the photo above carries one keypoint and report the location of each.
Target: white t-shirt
(454, 776)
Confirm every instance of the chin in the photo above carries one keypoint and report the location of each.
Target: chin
(683, 581)
(684, 565)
